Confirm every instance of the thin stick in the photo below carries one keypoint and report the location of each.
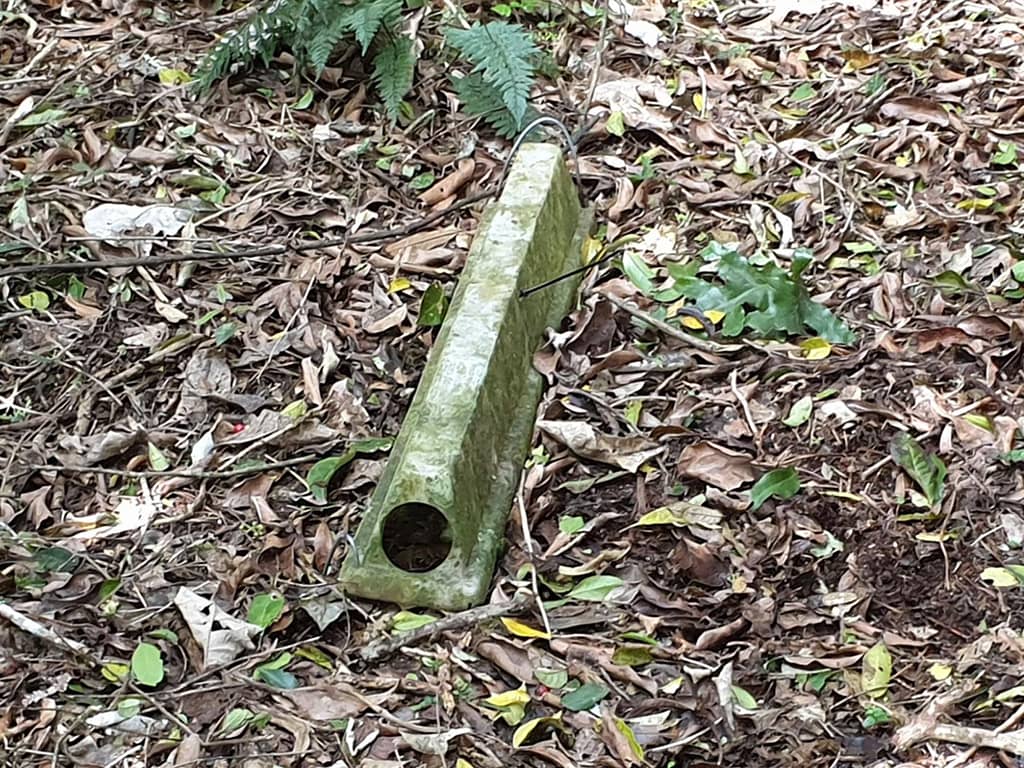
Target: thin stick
(387, 645)
(34, 628)
(668, 330)
(210, 475)
(252, 253)
(524, 523)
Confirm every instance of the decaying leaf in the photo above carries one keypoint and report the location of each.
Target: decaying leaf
(628, 453)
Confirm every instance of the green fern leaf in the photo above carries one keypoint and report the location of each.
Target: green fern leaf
(365, 19)
(257, 38)
(480, 99)
(393, 68)
(503, 54)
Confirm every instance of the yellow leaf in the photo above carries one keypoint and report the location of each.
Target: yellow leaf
(114, 671)
(37, 300)
(940, 671)
(816, 348)
(399, 284)
(634, 745)
(979, 420)
(876, 671)
(508, 698)
(462, 763)
(174, 77)
(698, 102)
(844, 495)
(591, 249)
(524, 731)
(681, 513)
(616, 124)
(519, 629)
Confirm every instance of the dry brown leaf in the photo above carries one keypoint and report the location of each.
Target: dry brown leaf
(717, 466)
(916, 110)
(628, 453)
(332, 700)
(451, 183)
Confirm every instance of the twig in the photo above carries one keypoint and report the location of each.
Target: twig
(34, 628)
(524, 524)
(687, 338)
(252, 253)
(385, 646)
(196, 475)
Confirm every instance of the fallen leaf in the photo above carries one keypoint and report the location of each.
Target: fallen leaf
(628, 453)
(717, 466)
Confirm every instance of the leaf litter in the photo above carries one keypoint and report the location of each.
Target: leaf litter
(809, 549)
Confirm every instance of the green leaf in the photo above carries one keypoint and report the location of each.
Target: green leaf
(926, 469)
(235, 719)
(305, 100)
(433, 307)
(595, 588)
(800, 412)
(157, 460)
(876, 671)
(147, 665)
(76, 288)
(783, 483)
(743, 698)
(1006, 154)
(616, 124)
(763, 297)
(277, 678)
(641, 275)
(320, 474)
(803, 92)
(114, 671)
(393, 69)
(584, 697)
(266, 609)
(407, 621)
(56, 560)
(478, 98)
(422, 181)
(570, 524)
(165, 634)
(502, 53)
(1005, 577)
(623, 727)
(629, 656)
(552, 678)
(225, 333)
(43, 117)
(38, 301)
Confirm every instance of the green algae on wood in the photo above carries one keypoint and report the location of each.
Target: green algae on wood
(434, 526)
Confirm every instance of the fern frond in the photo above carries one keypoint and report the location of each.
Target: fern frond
(257, 38)
(393, 68)
(366, 18)
(480, 99)
(502, 53)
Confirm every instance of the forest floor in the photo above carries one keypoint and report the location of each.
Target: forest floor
(771, 549)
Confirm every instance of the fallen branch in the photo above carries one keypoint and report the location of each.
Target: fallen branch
(253, 253)
(385, 646)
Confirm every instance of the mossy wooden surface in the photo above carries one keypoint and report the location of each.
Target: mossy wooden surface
(467, 432)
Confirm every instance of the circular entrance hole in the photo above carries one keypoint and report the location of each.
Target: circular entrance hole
(416, 537)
